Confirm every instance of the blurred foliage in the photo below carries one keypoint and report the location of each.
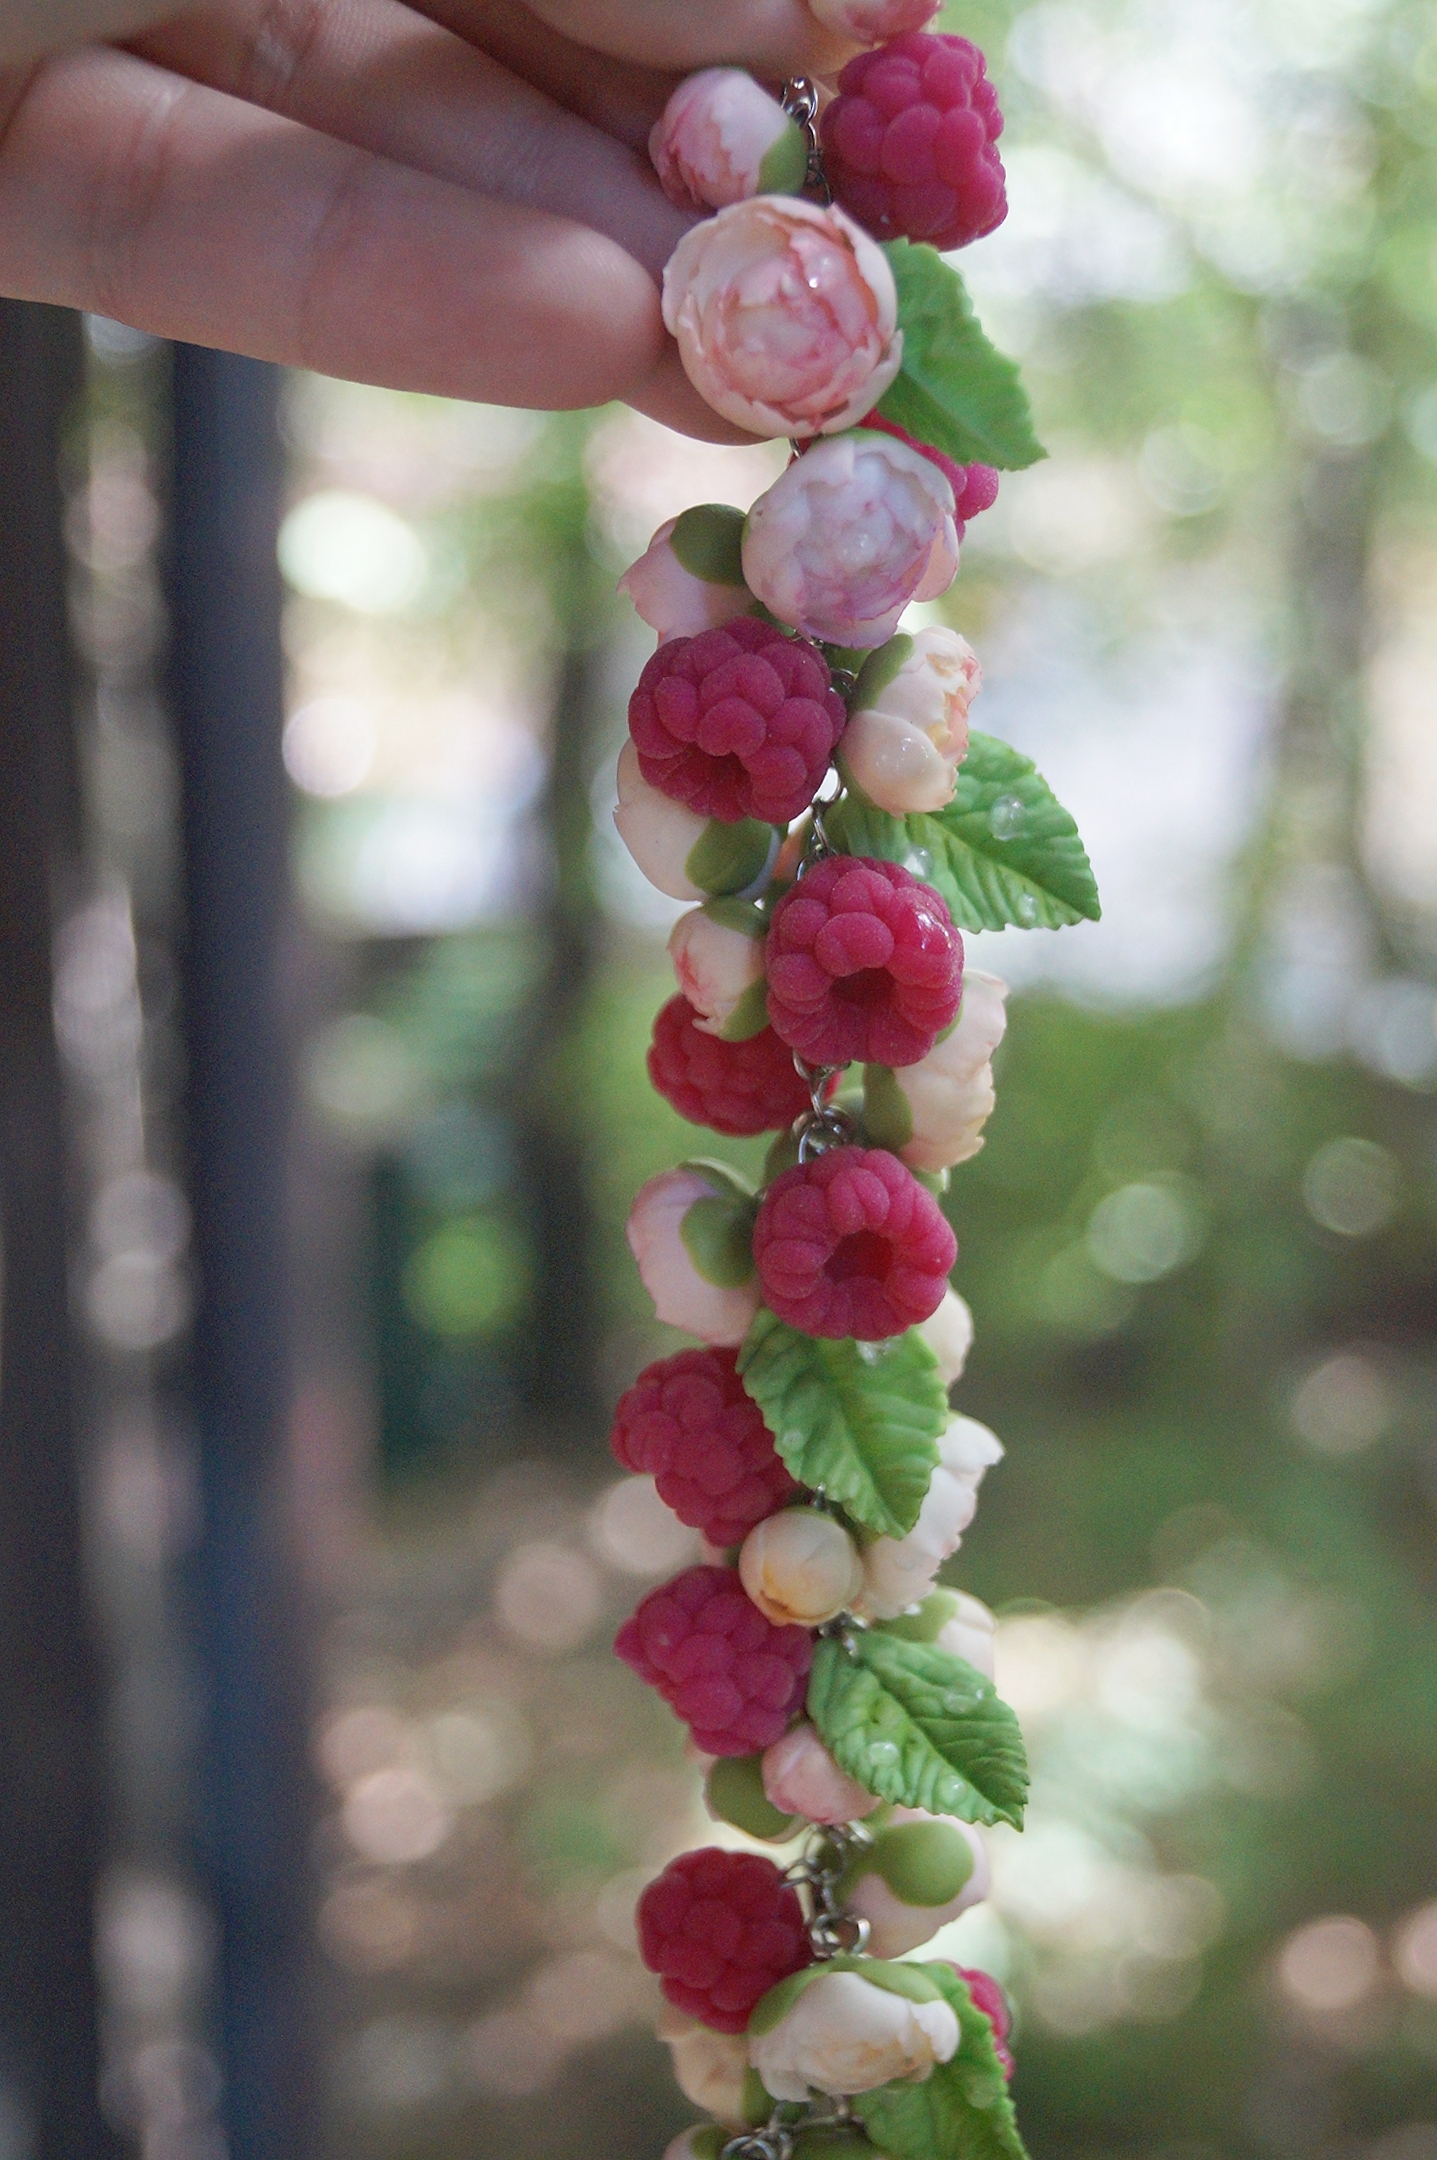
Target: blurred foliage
(1200, 1247)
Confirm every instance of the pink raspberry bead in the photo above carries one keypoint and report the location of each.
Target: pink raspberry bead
(863, 962)
(734, 1678)
(688, 1423)
(990, 1999)
(852, 1244)
(739, 722)
(910, 142)
(739, 1088)
(720, 1929)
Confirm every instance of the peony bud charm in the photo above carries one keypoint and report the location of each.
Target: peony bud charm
(907, 730)
(690, 1232)
(855, 529)
(949, 1335)
(844, 2034)
(690, 578)
(802, 1778)
(960, 1624)
(801, 1566)
(721, 139)
(717, 953)
(710, 2068)
(932, 1114)
(786, 316)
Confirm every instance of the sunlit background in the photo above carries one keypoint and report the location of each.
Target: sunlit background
(1200, 1244)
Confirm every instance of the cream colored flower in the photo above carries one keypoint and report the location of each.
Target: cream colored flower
(844, 2035)
(898, 1573)
(800, 1566)
(907, 729)
(709, 2067)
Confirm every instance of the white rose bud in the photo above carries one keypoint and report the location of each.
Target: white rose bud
(684, 855)
(717, 953)
(931, 1115)
(691, 1233)
(907, 731)
(800, 1777)
(709, 2067)
(800, 1566)
(844, 2035)
(920, 1872)
(898, 1573)
(949, 1335)
(971, 1634)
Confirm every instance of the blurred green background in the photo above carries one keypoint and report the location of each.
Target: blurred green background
(1200, 1243)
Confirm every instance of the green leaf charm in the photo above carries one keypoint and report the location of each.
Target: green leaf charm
(917, 1725)
(954, 390)
(961, 2111)
(858, 1421)
(1004, 850)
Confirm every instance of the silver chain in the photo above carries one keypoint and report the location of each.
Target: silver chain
(800, 102)
(831, 1930)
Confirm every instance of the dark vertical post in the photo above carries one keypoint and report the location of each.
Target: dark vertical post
(226, 684)
(50, 1762)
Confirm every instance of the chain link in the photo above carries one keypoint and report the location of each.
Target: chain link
(800, 102)
(831, 1930)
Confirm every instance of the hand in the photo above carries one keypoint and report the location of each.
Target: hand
(450, 196)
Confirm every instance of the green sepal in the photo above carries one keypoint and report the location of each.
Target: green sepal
(934, 1181)
(849, 659)
(887, 1118)
(1036, 874)
(785, 163)
(708, 541)
(782, 1155)
(756, 2106)
(731, 858)
(962, 2109)
(916, 1725)
(749, 1016)
(707, 2140)
(911, 1981)
(879, 670)
(929, 1620)
(717, 1229)
(857, 1421)
(741, 915)
(734, 1792)
(955, 390)
(923, 1863)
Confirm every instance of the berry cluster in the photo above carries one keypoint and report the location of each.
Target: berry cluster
(780, 735)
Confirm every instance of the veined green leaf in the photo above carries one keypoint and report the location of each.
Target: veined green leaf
(858, 1421)
(961, 2111)
(1004, 850)
(918, 1726)
(954, 390)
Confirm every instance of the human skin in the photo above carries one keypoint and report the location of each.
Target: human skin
(451, 197)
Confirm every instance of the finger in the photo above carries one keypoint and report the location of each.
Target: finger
(622, 97)
(775, 37)
(187, 213)
(31, 28)
(376, 74)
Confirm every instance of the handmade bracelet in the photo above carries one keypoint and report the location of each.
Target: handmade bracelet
(801, 769)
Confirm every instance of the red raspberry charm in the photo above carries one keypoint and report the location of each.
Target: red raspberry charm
(990, 1999)
(720, 1929)
(852, 1244)
(910, 142)
(739, 722)
(688, 1423)
(732, 1676)
(862, 962)
(733, 1087)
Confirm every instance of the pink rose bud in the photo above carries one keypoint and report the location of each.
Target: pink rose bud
(800, 1777)
(721, 139)
(717, 953)
(920, 1872)
(690, 579)
(786, 316)
(898, 1573)
(873, 22)
(931, 1115)
(690, 1232)
(949, 1335)
(846, 537)
(684, 855)
(907, 730)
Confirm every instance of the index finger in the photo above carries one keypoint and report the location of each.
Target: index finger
(773, 37)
